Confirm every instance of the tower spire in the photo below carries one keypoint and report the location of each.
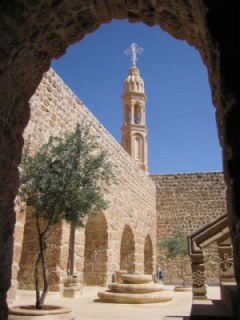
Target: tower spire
(134, 130)
(133, 50)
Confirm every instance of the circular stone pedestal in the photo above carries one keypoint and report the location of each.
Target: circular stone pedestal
(151, 297)
(136, 278)
(135, 288)
(49, 313)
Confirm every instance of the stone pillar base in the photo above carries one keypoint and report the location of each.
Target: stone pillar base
(72, 287)
(200, 293)
(72, 291)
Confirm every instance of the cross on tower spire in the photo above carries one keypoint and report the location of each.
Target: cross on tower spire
(133, 50)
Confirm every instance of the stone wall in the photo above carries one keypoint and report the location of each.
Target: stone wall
(126, 235)
(54, 110)
(190, 200)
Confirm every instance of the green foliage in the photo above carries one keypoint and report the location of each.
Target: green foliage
(176, 244)
(67, 177)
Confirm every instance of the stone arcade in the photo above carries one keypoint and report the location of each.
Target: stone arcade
(32, 33)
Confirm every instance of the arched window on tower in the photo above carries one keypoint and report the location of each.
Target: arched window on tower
(137, 113)
(127, 114)
(137, 148)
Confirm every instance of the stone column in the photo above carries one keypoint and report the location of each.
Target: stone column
(198, 274)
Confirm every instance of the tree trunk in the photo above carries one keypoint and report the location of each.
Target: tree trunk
(36, 275)
(71, 250)
(183, 278)
(42, 236)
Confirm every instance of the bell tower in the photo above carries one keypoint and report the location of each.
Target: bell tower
(134, 130)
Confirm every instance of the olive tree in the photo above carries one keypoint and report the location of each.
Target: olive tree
(176, 245)
(66, 179)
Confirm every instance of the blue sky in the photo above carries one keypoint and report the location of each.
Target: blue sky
(182, 133)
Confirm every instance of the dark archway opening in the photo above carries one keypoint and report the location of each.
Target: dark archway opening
(127, 250)
(148, 256)
(96, 246)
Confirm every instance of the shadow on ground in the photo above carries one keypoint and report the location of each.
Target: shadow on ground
(206, 310)
(198, 318)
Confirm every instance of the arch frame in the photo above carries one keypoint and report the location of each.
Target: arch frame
(26, 55)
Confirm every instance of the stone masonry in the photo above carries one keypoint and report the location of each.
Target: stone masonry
(190, 200)
(129, 221)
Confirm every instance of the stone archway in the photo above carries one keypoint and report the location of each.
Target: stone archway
(148, 255)
(30, 250)
(95, 255)
(32, 33)
(127, 250)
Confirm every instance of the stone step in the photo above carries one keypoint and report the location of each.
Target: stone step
(137, 298)
(135, 288)
(136, 278)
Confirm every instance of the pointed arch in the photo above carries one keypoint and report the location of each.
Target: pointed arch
(95, 255)
(148, 255)
(127, 250)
